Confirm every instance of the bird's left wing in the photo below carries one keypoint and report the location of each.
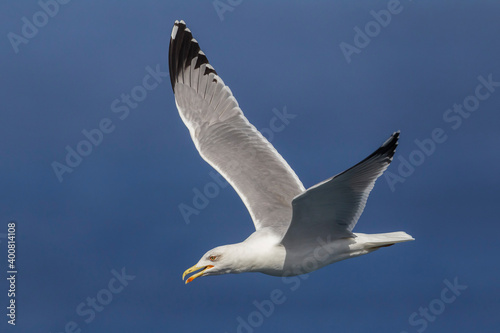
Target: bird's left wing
(224, 137)
(332, 208)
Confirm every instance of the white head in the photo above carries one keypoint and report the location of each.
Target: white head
(222, 260)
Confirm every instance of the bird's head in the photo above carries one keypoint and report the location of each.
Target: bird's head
(220, 260)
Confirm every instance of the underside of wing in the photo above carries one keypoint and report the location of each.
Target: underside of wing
(224, 137)
(332, 208)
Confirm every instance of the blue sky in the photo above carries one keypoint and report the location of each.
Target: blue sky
(111, 229)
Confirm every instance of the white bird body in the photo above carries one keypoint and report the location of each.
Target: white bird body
(297, 230)
(263, 252)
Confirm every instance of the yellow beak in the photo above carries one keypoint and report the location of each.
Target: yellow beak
(194, 269)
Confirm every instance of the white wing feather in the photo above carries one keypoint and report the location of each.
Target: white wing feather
(332, 208)
(224, 137)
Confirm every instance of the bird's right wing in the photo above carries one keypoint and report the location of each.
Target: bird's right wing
(332, 208)
(224, 137)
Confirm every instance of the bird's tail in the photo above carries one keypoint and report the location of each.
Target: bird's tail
(376, 241)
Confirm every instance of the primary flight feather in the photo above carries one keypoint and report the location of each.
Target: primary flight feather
(297, 230)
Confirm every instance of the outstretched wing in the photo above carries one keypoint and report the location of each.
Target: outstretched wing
(332, 208)
(224, 137)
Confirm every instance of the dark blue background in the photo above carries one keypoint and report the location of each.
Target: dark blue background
(120, 207)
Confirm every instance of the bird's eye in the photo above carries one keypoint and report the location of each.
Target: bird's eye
(212, 258)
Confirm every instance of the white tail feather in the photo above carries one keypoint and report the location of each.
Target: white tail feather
(381, 240)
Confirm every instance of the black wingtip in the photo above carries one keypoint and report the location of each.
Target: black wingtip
(182, 50)
(383, 154)
(388, 148)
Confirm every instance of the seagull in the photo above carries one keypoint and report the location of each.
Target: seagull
(297, 231)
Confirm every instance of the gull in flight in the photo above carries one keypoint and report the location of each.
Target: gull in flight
(297, 230)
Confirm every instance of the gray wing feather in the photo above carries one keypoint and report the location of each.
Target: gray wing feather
(332, 208)
(224, 137)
